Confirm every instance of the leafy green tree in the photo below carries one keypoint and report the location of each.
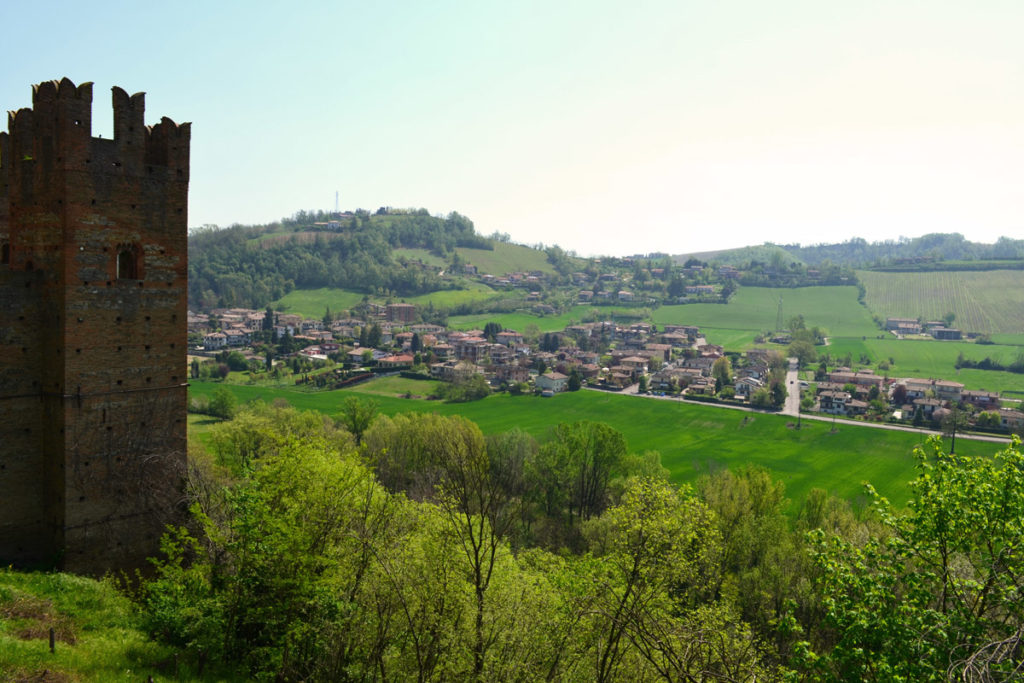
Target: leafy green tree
(373, 337)
(491, 330)
(931, 595)
(653, 555)
(223, 403)
(357, 415)
(803, 351)
(575, 467)
(575, 380)
(761, 398)
(957, 420)
(721, 370)
(237, 361)
(778, 395)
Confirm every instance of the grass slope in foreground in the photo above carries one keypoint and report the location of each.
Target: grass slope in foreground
(692, 439)
(97, 635)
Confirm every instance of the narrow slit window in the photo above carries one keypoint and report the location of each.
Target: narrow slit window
(127, 262)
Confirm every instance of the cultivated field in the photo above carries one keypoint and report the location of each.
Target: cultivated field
(506, 258)
(692, 439)
(990, 301)
(312, 303)
(546, 323)
(755, 309)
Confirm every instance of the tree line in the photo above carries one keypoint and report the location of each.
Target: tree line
(414, 547)
(252, 266)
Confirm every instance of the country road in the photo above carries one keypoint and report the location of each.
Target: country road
(632, 390)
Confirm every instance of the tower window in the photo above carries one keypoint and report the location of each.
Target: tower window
(5, 253)
(128, 262)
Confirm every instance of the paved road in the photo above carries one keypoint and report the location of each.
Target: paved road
(792, 406)
(819, 418)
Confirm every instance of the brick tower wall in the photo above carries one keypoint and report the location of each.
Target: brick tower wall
(98, 234)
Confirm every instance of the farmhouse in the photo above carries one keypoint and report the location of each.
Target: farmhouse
(553, 381)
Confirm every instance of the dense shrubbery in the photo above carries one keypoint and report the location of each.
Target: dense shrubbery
(432, 552)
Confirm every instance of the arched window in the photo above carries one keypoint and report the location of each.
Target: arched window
(127, 262)
(5, 253)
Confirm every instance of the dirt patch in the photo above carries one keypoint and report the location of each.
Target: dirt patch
(34, 617)
(44, 676)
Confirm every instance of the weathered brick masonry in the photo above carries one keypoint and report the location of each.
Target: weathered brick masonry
(93, 267)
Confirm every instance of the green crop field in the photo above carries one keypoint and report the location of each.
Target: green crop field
(312, 303)
(518, 321)
(446, 298)
(732, 340)
(990, 301)
(755, 309)
(506, 258)
(692, 439)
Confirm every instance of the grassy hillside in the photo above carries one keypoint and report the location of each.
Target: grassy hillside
(755, 308)
(519, 321)
(988, 301)
(506, 258)
(96, 629)
(312, 303)
(692, 439)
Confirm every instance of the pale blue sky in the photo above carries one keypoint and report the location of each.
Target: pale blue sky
(605, 127)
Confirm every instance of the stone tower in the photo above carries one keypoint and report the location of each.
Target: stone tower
(93, 300)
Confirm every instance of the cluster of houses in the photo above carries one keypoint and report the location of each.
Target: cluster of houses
(848, 393)
(673, 359)
(234, 327)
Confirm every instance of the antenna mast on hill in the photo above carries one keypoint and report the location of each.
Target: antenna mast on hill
(336, 211)
(778, 317)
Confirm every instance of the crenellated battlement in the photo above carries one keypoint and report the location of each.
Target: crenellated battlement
(57, 133)
(93, 301)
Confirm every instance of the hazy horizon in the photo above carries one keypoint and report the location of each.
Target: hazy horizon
(673, 127)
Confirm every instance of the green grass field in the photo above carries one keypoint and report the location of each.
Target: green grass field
(755, 309)
(692, 439)
(446, 298)
(989, 301)
(312, 303)
(506, 258)
(519, 321)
